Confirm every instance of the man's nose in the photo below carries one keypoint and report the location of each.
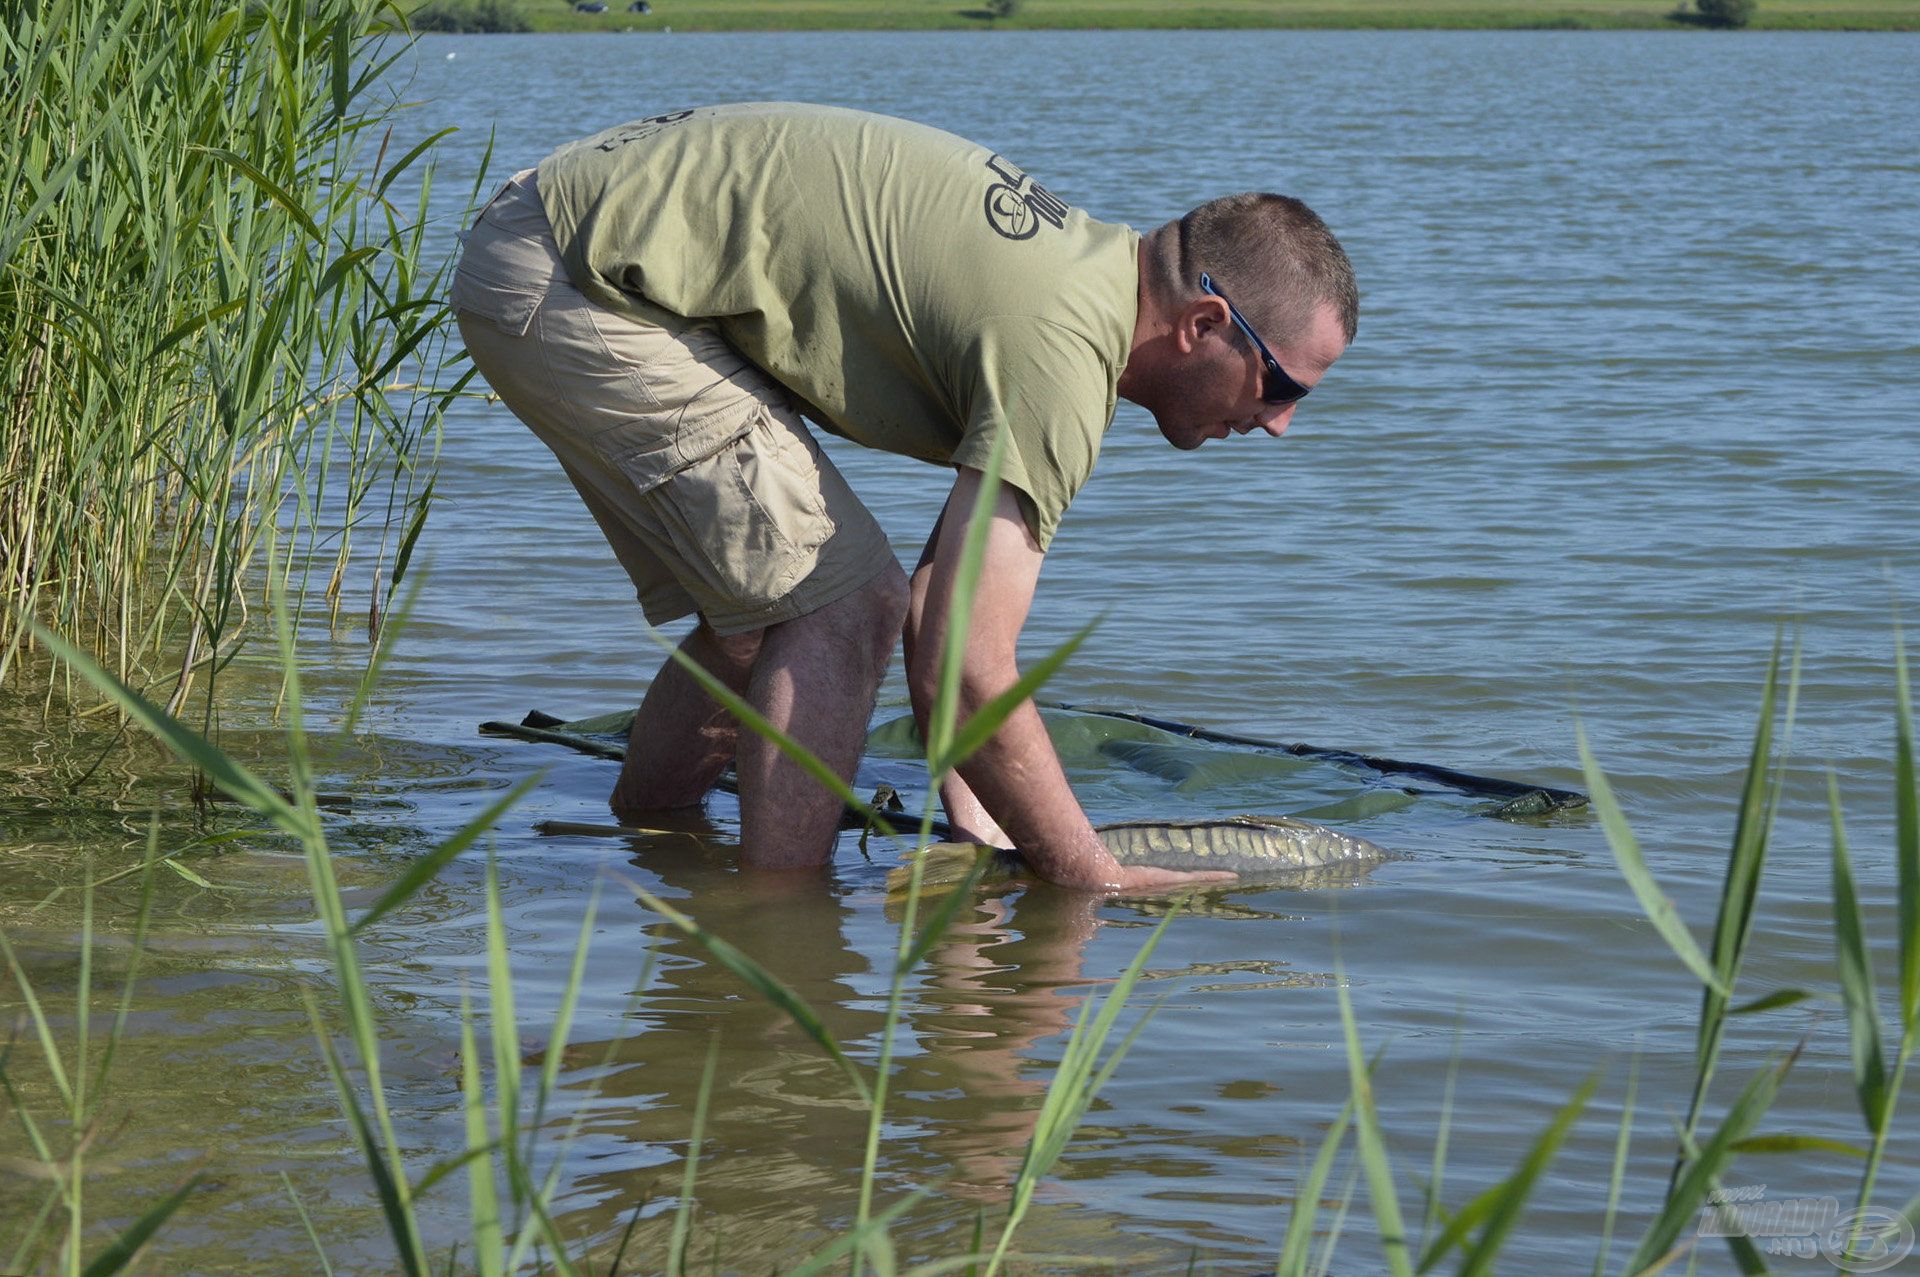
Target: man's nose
(1275, 419)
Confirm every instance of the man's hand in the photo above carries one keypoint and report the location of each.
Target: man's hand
(1015, 778)
(1144, 880)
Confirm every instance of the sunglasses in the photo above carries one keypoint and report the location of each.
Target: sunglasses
(1277, 387)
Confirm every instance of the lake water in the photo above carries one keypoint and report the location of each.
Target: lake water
(1636, 386)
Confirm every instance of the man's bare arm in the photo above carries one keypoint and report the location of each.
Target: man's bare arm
(965, 813)
(1016, 774)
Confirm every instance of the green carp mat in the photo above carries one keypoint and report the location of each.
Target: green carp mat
(1170, 778)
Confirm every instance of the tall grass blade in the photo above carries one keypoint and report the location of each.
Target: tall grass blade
(1771, 1001)
(483, 1198)
(683, 1210)
(451, 1166)
(953, 656)
(1518, 1187)
(1436, 1176)
(1076, 1081)
(761, 726)
(428, 867)
(563, 1014)
(1381, 1190)
(1733, 924)
(306, 1222)
(985, 721)
(1297, 1242)
(1906, 802)
(503, 1019)
(1907, 861)
(1331, 1246)
(1617, 1176)
(404, 556)
(626, 1237)
(904, 961)
(517, 1164)
(406, 161)
(855, 1239)
(1656, 904)
(38, 1141)
(535, 1199)
(941, 918)
(192, 877)
(1856, 977)
(272, 189)
(395, 1208)
(124, 1247)
(761, 981)
(1704, 1167)
(43, 1029)
(30, 1237)
(1788, 1143)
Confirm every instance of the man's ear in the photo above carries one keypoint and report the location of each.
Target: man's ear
(1197, 320)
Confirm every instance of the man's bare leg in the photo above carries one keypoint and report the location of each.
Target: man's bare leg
(682, 739)
(815, 679)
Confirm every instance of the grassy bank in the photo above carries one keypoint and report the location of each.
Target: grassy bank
(961, 15)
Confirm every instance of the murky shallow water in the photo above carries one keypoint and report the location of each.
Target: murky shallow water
(1635, 386)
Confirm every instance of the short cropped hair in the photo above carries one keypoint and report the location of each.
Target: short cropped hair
(1270, 253)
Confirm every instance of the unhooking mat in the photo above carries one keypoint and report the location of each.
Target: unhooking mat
(1130, 766)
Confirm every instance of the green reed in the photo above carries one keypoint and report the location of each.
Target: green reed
(213, 316)
(1477, 1230)
(508, 1207)
(217, 328)
(510, 1224)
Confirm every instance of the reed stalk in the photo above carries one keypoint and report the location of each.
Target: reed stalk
(213, 319)
(511, 1224)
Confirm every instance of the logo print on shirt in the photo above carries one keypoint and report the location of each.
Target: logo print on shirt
(1016, 204)
(640, 130)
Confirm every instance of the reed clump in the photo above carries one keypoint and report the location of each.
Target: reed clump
(212, 317)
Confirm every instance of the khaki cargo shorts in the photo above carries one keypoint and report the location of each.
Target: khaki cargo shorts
(696, 465)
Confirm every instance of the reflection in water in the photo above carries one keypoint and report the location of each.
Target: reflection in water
(785, 1135)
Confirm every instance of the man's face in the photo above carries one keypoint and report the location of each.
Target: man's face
(1217, 388)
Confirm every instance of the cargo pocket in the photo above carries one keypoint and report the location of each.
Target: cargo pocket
(748, 520)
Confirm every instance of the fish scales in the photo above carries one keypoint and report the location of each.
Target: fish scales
(1254, 848)
(1243, 844)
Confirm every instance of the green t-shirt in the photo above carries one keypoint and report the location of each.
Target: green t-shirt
(918, 292)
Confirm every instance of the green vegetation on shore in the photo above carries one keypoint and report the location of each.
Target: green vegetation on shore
(962, 15)
(167, 445)
(214, 320)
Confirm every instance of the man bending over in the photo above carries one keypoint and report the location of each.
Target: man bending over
(661, 303)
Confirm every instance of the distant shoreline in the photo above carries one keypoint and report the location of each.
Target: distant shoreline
(1069, 15)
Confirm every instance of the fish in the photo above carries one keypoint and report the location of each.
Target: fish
(1243, 844)
(1254, 848)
